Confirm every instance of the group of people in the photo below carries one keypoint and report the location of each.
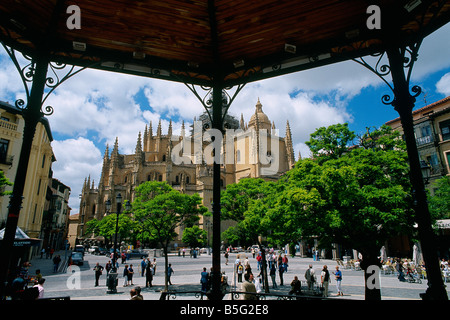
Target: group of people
(252, 284)
(24, 286)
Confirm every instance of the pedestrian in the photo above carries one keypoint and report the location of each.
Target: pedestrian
(280, 272)
(40, 288)
(134, 295)
(124, 258)
(310, 277)
(226, 258)
(138, 293)
(38, 275)
(325, 280)
(258, 284)
(258, 260)
(204, 278)
(42, 252)
(98, 272)
(249, 286)
(130, 274)
(285, 263)
(108, 267)
(148, 274)
(338, 277)
(154, 266)
(169, 273)
(143, 264)
(184, 252)
(56, 262)
(296, 286)
(125, 276)
(273, 272)
(239, 271)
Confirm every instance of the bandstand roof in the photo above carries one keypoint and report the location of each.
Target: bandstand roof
(201, 41)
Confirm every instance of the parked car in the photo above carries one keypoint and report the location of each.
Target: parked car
(137, 253)
(77, 258)
(93, 249)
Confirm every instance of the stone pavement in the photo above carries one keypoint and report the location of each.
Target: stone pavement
(78, 282)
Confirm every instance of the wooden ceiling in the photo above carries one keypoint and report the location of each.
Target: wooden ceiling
(202, 42)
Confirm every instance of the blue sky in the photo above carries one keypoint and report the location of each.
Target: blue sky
(94, 107)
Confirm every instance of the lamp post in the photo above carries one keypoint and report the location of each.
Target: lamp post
(426, 171)
(112, 276)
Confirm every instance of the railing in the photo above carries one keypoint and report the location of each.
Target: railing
(8, 125)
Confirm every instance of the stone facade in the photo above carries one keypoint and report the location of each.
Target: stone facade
(248, 150)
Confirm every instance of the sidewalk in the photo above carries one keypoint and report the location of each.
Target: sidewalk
(46, 265)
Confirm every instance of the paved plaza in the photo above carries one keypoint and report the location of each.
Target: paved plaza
(79, 284)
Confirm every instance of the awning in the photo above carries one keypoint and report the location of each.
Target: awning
(21, 239)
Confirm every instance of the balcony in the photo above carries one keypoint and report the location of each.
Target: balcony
(424, 140)
(8, 125)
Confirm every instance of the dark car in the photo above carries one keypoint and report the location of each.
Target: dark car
(137, 254)
(77, 258)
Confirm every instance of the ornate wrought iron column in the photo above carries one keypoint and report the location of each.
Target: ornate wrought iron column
(401, 60)
(32, 115)
(403, 103)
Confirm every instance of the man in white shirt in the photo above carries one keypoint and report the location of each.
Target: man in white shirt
(40, 287)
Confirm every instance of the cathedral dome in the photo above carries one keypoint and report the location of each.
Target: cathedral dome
(261, 117)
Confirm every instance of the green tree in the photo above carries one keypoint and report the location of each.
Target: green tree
(4, 181)
(330, 142)
(359, 199)
(194, 236)
(160, 210)
(439, 203)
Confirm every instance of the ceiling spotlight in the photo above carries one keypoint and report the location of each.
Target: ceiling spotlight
(79, 46)
(290, 48)
(139, 55)
(238, 63)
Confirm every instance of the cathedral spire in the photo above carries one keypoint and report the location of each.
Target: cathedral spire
(138, 149)
(169, 133)
(183, 130)
(242, 124)
(158, 130)
(289, 146)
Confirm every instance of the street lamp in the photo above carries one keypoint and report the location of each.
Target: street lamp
(426, 171)
(112, 277)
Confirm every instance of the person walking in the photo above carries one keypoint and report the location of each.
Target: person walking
(338, 277)
(125, 276)
(98, 272)
(130, 275)
(204, 278)
(273, 272)
(108, 267)
(143, 264)
(280, 273)
(226, 258)
(310, 277)
(325, 280)
(56, 262)
(169, 273)
(239, 271)
(148, 274)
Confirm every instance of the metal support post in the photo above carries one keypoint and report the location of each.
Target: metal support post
(404, 103)
(217, 123)
(32, 115)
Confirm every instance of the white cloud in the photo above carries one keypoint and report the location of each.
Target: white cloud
(443, 85)
(76, 159)
(94, 107)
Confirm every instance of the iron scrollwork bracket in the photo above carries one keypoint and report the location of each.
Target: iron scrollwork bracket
(207, 99)
(382, 69)
(56, 75)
